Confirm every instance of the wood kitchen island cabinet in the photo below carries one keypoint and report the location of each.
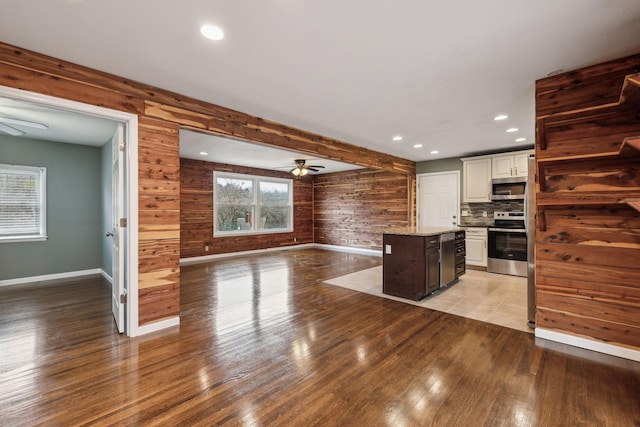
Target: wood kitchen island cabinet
(411, 261)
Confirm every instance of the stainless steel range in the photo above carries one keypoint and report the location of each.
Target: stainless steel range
(507, 244)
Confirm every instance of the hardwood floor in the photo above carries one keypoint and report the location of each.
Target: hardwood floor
(264, 342)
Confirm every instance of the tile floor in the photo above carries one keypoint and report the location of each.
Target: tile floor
(494, 298)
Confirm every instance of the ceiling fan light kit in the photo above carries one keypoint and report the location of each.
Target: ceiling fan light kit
(302, 168)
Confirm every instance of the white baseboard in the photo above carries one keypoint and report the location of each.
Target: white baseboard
(46, 277)
(589, 344)
(156, 326)
(205, 258)
(106, 276)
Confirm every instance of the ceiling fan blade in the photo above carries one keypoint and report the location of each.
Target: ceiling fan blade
(11, 131)
(23, 123)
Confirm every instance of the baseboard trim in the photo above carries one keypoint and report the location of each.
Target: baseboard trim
(156, 326)
(48, 277)
(588, 344)
(206, 258)
(106, 276)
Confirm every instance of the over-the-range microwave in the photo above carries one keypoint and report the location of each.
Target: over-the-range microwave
(508, 188)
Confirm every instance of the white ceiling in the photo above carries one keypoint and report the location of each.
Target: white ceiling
(360, 71)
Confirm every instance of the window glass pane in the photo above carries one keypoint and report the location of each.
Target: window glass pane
(274, 205)
(234, 204)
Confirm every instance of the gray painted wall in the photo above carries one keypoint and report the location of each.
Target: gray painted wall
(106, 242)
(73, 209)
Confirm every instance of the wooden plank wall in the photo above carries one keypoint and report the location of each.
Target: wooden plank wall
(196, 212)
(161, 113)
(588, 230)
(353, 208)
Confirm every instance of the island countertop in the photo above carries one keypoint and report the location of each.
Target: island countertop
(421, 231)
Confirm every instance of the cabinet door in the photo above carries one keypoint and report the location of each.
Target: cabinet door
(433, 269)
(476, 248)
(521, 167)
(502, 166)
(476, 180)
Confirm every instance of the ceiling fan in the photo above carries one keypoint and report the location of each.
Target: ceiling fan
(302, 168)
(6, 121)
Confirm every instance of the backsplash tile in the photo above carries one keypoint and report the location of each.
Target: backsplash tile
(475, 217)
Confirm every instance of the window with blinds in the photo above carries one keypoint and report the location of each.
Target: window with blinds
(22, 203)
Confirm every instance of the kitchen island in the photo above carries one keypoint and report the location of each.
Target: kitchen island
(418, 261)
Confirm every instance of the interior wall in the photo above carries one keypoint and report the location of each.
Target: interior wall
(587, 200)
(106, 207)
(354, 208)
(73, 209)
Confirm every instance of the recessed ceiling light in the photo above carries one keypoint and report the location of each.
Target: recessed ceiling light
(397, 138)
(204, 153)
(521, 139)
(434, 151)
(500, 117)
(510, 130)
(417, 145)
(212, 32)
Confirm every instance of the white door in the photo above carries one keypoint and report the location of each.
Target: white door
(438, 199)
(117, 195)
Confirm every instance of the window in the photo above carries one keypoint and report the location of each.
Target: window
(251, 204)
(22, 203)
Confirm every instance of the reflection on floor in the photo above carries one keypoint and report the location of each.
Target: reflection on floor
(492, 298)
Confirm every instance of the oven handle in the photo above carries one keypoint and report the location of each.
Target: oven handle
(509, 230)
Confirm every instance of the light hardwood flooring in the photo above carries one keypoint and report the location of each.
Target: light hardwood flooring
(495, 298)
(264, 341)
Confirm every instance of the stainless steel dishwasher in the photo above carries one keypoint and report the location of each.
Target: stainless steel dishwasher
(447, 258)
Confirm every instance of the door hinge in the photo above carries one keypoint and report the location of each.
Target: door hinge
(123, 222)
(122, 146)
(123, 298)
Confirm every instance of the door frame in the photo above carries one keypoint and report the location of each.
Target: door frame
(131, 190)
(419, 191)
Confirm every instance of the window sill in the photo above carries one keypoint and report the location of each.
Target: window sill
(14, 239)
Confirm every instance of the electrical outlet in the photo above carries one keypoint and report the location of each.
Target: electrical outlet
(464, 213)
(387, 249)
(206, 248)
(295, 239)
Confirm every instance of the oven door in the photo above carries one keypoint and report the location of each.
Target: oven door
(507, 244)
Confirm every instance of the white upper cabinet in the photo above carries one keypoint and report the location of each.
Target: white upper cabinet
(510, 164)
(476, 180)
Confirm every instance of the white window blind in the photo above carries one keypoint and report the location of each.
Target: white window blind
(22, 203)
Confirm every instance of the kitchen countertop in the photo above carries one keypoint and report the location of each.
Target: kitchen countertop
(421, 231)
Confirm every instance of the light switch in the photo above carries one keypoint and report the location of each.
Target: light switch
(464, 213)
(484, 214)
(387, 249)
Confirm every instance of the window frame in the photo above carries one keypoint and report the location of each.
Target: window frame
(41, 174)
(256, 203)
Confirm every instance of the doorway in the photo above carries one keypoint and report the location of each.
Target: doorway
(126, 315)
(438, 199)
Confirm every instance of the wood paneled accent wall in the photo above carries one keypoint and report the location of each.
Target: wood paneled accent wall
(160, 114)
(353, 208)
(588, 202)
(196, 212)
